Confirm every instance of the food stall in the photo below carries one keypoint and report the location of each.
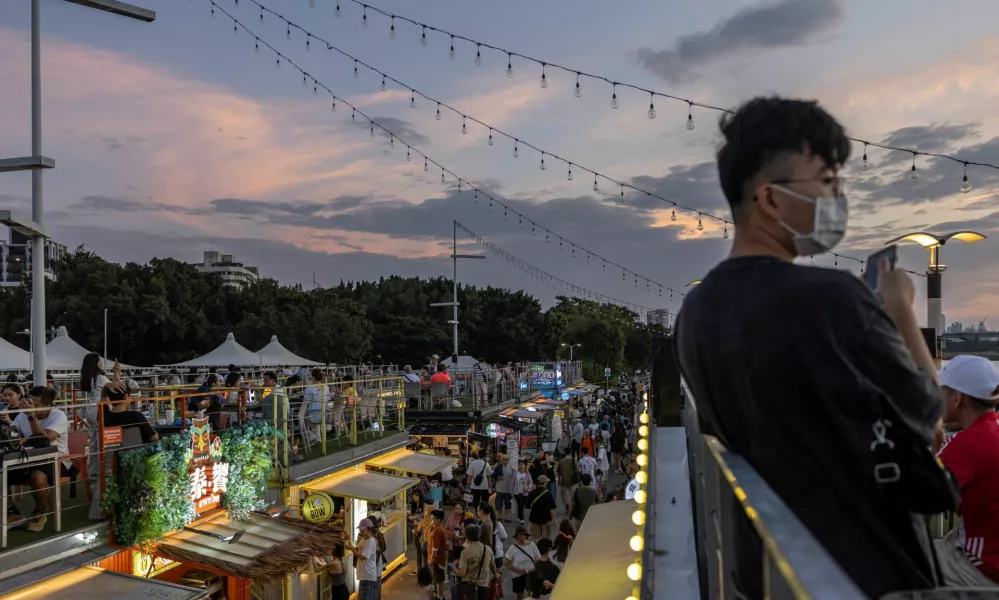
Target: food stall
(409, 463)
(346, 497)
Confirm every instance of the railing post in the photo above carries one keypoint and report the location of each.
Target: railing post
(381, 410)
(322, 427)
(101, 464)
(353, 423)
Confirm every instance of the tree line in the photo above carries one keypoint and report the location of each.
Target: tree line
(165, 312)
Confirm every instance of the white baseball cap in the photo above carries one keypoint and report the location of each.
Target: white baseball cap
(973, 376)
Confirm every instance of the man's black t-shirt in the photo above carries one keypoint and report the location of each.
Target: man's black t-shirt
(130, 418)
(790, 366)
(544, 570)
(542, 504)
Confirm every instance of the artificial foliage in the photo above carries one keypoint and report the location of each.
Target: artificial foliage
(149, 494)
(249, 451)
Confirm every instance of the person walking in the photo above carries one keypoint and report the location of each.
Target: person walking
(523, 486)
(520, 559)
(437, 542)
(478, 478)
(567, 475)
(543, 509)
(476, 567)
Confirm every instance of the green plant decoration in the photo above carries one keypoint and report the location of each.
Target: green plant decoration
(249, 451)
(148, 495)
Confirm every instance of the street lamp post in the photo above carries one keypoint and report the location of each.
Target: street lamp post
(570, 347)
(36, 163)
(934, 272)
(454, 283)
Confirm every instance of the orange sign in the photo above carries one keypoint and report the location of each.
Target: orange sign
(112, 438)
(207, 484)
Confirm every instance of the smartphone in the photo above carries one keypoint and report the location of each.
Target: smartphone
(871, 270)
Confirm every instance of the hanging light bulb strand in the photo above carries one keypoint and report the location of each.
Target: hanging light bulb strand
(596, 77)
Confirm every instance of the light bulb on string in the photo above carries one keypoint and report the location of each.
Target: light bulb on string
(532, 229)
(408, 157)
(337, 13)
(372, 130)
(288, 32)
(438, 115)
(605, 266)
(700, 225)
(660, 291)
(384, 86)
(235, 29)
(353, 114)
(544, 80)
(506, 216)
(442, 175)
(520, 222)
(574, 250)
(965, 184)
(304, 80)
(614, 103)
(475, 197)
(865, 164)
(364, 17)
(560, 243)
(261, 16)
(578, 92)
(315, 89)
(636, 282)
(913, 175)
(589, 257)
(357, 74)
(412, 99)
(391, 141)
(308, 43)
(509, 66)
(725, 234)
(621, 200)
(426, 167)
(478, 55)
(464, 126)
(672, 216)
(277, 61)
(547, 240)
(515, 152)
(595, 186)
(569, 176)
(451, 53)
(333, 108)
(256, 46)
(690, 116)
(652, 106)
(542, 161)
(423, 38)
(490, 137)
(213, 10)
(490, 205)
(392, 29)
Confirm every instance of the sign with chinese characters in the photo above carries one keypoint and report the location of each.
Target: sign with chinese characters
(145, 565)
(208, 476)
(112, 438)
(546, 375)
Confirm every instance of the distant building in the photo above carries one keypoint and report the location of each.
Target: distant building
(659, 316)
(956, 327)
(943, 322)
(15, 259)
(233, 273)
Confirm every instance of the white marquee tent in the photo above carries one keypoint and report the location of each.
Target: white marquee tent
(63, 353)
(465, 362)
(13, 358)
(276, 354)
(230, 352)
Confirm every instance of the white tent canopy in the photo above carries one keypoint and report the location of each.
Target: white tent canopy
(230, 352)
(13, 358)
(63, 353)
(276, 354)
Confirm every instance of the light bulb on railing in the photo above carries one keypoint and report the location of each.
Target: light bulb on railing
(641, 477)
(643, 418)
(634, 571)
(643, 445)
(642, 460)
(637, 543)
(640, 496)
(638, 517)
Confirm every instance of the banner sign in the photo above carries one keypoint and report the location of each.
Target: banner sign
(546, 375)
(208, 476)
(317, 507)
(112, 438)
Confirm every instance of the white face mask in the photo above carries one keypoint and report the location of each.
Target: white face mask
(831, 213)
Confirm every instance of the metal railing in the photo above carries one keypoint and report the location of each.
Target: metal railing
(726, 489)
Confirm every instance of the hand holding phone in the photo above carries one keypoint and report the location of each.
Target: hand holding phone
(872, 269)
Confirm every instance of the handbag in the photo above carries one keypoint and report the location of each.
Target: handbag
(495, 591)
(909, 472)
(478, 478)
(469, 590)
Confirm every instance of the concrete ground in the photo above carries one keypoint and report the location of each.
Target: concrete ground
(402, 585)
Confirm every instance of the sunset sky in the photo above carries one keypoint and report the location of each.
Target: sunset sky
(175, 137)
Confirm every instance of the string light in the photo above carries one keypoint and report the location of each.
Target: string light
(672, 216)
(690, 102)
(635, 569)
(542, 161)
(965, 184)
(569, 176)
(614, 103)
(451, 53)
(438, 115)
(544, 82)
(652, 107)
(554, 282)
(515, 153)
(595, 186)
(364, 17)
(690, 116)
(913, 175)
(384, 87)
(490, 137)
(621, 201)
(509, 66)
(414, 91)
(464, 126)
(423, 38)
(478, 56)
(638, 517)
(392, 29)
(412, 99)
(725, 234)
(578, 92)
(700, 225)
(372, 123)
(865, 165)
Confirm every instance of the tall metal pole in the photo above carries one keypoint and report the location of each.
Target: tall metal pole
(454, 299)
(934, 292)
(38, 241)
(105, 355)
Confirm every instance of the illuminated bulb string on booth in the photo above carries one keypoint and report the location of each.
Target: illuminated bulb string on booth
(619, 186)
(614, 84)
(509, 213)
(546, 278)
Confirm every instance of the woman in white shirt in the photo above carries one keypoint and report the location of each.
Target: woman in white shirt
(316, 399)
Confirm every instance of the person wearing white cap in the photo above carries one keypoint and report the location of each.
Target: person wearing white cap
(971, 393)
(366, 552)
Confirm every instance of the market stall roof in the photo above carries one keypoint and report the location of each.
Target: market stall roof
(363, 485)
(465, 362)
(13, 358)
(523, 414)
(547, 403)
(276, 354)
(230, 352)
(91, 583)
(431, 429)
(262, 548)
(63, 353)
(597, 566)
(413, 462)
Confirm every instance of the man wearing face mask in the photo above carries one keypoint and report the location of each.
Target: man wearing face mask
(791, 365)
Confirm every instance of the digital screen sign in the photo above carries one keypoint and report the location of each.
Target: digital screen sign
(546, 375)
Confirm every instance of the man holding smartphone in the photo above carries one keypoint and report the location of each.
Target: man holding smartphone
(794, 366)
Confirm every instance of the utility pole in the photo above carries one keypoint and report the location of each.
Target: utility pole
(35, 163)
(454, 288)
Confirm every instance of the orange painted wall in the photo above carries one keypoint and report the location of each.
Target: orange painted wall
(119, 563)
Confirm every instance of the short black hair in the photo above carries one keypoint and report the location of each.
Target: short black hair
(586, 479)
(764, 129)
(46, 394)
(270, 375)
(544, 545)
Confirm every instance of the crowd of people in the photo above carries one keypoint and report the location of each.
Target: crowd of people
(465, 550)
